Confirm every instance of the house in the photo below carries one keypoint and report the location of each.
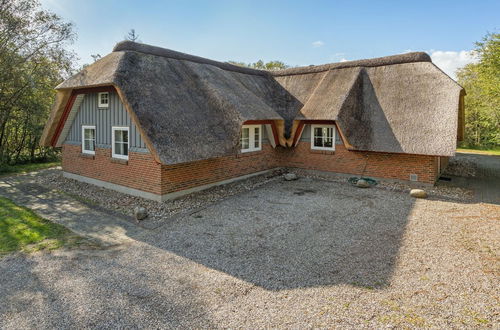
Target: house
(157, 123)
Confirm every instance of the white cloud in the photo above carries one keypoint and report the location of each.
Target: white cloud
(318, 43)
(450, 61)
(343, 59)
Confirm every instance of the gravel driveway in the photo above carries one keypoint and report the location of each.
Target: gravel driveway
(308, 253)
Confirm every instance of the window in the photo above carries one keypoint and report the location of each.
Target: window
(88, 140)
(323, 137)
(251, 138)
(103, 100)
(120, 142)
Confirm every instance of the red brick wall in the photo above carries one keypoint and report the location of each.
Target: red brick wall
(140, 172)
(188, 175)
(375, 164)
(143, 173)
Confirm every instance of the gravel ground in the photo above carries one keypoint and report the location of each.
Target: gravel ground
(307, 253)
(159, 212)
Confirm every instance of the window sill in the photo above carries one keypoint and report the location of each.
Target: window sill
(249, 153)
(119, 161)
(323, 152)
(88, 156)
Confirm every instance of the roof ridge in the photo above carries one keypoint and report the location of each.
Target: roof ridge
(168, 53)
(372, 62)
(412, 57)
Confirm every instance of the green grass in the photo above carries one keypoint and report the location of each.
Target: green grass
(23, 230)
(492, 151)
(25, 168)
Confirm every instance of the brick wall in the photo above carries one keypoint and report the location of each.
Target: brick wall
(140, 171)
(188, 175)
(375, 164)
(143, 173)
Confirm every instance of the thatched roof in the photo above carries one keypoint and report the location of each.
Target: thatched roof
(190, 108)
(405, 108)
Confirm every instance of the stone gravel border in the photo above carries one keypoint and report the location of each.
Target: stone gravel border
(160, 212)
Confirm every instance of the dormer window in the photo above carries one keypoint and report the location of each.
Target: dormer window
(103, 100)
(251, 138)
(323, 137)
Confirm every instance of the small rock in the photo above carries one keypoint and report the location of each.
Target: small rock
(290, 176)
(362, 184)
(140, 213)
(418, 193)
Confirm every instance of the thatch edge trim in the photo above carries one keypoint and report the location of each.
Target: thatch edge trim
(133, 116)
(62, 97)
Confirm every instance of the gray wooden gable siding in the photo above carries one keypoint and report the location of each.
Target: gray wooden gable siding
(306, 135)
(103, 119)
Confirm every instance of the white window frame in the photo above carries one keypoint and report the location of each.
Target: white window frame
(84, 151)
(119, 128)
(99, 100)
(251, 138)
(332, 148)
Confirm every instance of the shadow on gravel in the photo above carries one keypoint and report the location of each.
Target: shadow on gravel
(301, 234)
(94, 289)
(481, 173)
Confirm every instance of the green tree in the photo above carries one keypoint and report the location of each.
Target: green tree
(261, 65)
(481, 81)
(33, 59)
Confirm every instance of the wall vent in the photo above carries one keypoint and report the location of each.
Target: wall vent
(413, 177)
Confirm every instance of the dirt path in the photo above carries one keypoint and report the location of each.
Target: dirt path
(103, 227)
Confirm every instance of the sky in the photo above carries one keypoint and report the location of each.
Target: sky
(295, 32)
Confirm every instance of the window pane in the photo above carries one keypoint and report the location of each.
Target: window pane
(257, 137)
(121, 136)
(118, 136)
(245, 133)
(245, 138)
(318, 141)
(328, 143)
(118, 148)
(86, 145)
(329, 132)
(318, 132)
(125, 149)
(245, 143)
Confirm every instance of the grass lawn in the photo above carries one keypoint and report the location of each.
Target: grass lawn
(22, 230)
(24, 168)
(494, 151)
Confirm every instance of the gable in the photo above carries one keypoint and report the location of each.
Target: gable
(88, 113)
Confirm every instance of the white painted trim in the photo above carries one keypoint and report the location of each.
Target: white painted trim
(270, 135)
(251, 138)
(102, 105)
(119, 128)
(333, 137)
(156, 197)
(84, 151)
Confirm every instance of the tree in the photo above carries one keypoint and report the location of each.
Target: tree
(132, 36)
(271, 65)
(481, 81)
(33, 60)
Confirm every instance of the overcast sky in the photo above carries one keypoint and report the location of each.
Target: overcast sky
(295, 32)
